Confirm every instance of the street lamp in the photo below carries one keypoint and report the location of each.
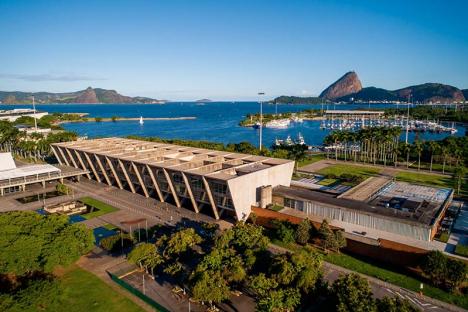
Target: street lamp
(261, 120)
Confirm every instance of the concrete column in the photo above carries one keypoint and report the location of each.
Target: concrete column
(103, 170)
(127, 177)
(155, 183)
(119, 183)
(71, 157)
(171, 187)
(43, 184)
(142, 183)
(56, 155)
(189, 191)
(60, 149)
(82, 163)
(2, 191)
(98, 178)
(210, 197)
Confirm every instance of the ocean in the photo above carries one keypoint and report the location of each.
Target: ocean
(215, 121)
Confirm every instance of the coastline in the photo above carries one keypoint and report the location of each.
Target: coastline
(125, 119)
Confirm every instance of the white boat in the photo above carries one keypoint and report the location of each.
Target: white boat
(278, 124)
(141, 120)
(300, 139)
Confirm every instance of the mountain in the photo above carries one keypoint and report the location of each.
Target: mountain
(423, 93)
(89, 95)
(348, 84)
(465, 93)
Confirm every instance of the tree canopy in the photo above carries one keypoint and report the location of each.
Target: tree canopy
(31, 242)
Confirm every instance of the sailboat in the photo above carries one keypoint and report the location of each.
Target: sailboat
(141, 120)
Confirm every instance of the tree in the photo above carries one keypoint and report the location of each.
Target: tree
(394, 304)
(181, 241)
(459, 175)
(433, 147)
(418, 147)
(326, 235)
(443, 271)
(340, 240)
(146, 256)
(285, 232)
(455, 274)
(352, 293)
(303, 232)
(283, 270)
(261, 284)
(308, 265)
(210, 287)
(280, 300)
(31, 242)
(433, 266)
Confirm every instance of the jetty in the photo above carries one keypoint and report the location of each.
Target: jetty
(117, 119)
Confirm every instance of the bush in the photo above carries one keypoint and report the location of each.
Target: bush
(114, 243)
(285, 231)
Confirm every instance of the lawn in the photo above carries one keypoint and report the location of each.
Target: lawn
(328, 182)
(83, 291)
(275, 207)
(425, 179)
(338, 170)
(103, 208)
(444, 236)
(310, 160)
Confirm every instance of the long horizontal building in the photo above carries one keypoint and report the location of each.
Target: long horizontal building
(215, 182)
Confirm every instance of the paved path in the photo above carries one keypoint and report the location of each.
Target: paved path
(381, 289)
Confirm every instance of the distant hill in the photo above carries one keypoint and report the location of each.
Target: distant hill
(298, 100)
(349, 83)
(465, 93)
(348, 89)
(203, 101)
(90, 95)
(424, 93)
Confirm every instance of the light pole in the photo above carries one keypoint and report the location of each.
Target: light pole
(34, 109)
(261, 120)
(407, 118)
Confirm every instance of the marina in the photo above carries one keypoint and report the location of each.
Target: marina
(355, 120)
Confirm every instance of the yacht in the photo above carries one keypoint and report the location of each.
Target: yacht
(141, 120)
(278, 124)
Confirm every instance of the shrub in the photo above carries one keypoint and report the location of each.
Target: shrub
(114, 243)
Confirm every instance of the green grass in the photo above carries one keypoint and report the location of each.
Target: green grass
(425, 179)
(444, 236)
(102, 207)
(310, 160)
(328, 182)
(275, 207)
(338, 170)
(384, 274)
(461, 250)
(83, 291)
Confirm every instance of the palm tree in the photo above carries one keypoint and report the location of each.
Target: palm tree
(444, 151)
(407, 150)
(459, 175)
(418, 147)
(433, 147)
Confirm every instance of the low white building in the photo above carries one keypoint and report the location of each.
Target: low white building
(13, 114)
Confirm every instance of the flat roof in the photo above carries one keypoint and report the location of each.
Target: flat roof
(221, 165)
(424, 215)
(26, 171)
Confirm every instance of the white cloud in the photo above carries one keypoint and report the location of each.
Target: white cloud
(49, 77)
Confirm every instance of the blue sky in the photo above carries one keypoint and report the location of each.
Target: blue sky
(228, 49)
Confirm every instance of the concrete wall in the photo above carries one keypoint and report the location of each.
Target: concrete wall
(245, 189)
(420, 232)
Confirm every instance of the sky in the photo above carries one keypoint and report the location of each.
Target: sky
(229, 49)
